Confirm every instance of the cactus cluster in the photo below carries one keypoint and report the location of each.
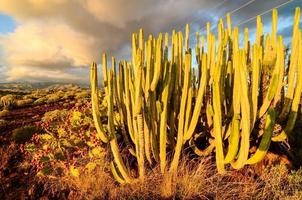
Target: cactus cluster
(233, 99)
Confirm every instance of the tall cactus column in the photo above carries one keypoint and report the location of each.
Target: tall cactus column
(180, 132)
(95, 104)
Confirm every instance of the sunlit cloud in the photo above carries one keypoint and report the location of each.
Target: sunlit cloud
(54, 37)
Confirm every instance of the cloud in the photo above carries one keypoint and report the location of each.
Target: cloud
(36, 47)
(28, 73)
(53, 38)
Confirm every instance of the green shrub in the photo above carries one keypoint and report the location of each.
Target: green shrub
(68, 136)
(54, 115)
(23, 134)
(40, 101)
(53, 98)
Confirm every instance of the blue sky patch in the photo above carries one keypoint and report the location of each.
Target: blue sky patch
(7, 23)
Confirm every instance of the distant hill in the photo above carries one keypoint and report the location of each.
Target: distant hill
(26, 86)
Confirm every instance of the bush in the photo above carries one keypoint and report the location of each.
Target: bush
(66, 104)
(280, 183)
(28, 96)
(52, 98)
(82, 94)
(23, 134)
(37, 94)
(8, 101)
(40, 101)
(54, 115)
(69, 94)
(69, 137)
(24, 102)
(4, 113)
(3, 123)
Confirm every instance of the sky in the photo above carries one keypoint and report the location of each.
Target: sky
(42, 40)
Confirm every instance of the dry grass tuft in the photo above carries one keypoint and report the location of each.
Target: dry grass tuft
(195, 179)
(279, 183)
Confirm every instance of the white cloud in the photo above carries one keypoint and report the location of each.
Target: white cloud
(28, 73)
(52, 46)
(54, 37)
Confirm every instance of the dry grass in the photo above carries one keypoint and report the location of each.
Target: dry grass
(196, 179)
(279, 183)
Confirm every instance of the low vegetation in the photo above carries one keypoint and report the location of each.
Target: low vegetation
(23, 134)
(70, 162)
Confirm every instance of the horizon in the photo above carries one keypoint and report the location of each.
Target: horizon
(47, 41)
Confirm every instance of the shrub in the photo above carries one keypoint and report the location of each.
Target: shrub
(277, 182)
(82, 94)
(4, 113)
(69, 94)
(52, 98)
(40, 101)
(28, 96)
(8, 101)
(55, 115)
(24, 102)
(69, 146)
(23, 134)
(3, 123)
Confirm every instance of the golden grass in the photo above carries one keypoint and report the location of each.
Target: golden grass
(195, 179)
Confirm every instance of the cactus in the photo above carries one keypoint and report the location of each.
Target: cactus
(295, 104)
(163, 123)
(113, 140)
(266, 138)
(162, 102)
(199, 100)
(95, 104)
(217, 119)
(158, 62)
(233, 139)
(245, 110)
(180, 132)
(293, 65)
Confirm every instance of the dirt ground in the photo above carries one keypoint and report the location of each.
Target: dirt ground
(15, 182)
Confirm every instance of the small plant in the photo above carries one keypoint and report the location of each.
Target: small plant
(54, 116)
(277, 182)
(24, 102)
(39, 101)
(3, 122)
(82, 95)
(4, 113)
(68, 146)
(8, 101)
(23, 134)
(53, 98)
